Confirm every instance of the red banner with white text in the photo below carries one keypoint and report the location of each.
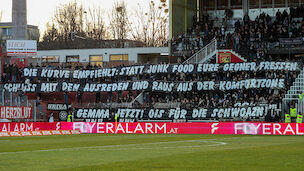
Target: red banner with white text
(38, 133)
(14, 112)
(28, 126)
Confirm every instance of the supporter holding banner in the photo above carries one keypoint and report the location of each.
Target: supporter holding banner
(156, 69)
(157, 86)
(132, 114)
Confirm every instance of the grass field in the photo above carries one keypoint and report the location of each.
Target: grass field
(152, 152)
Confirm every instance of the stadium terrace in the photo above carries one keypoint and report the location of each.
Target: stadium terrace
(155, 85)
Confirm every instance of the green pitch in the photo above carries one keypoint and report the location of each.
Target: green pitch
(152, 152)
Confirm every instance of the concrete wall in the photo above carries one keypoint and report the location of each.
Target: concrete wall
(19, 20)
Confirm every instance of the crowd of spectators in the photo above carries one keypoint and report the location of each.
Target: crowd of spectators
(218, 98)
(198, 36)
(250, 38)
(11, 73)
(187, 100)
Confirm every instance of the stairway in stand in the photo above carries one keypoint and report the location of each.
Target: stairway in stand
(292, 94)
(205, 54)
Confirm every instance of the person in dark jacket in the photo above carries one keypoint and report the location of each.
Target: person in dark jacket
(15, 72)
(79, 96)
(65, 97)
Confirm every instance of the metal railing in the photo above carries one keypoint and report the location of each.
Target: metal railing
(139, 98)
(13, 99)
(204, 54)
(20, 100)
(292, 95)
(167, 105)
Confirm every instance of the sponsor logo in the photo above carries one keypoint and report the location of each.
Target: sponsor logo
(63, 115)
(58, 107)
(123, 127)
(214, 127)
(186, 128)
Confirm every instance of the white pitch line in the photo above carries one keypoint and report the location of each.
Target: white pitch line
(219, 143)
(128, 146)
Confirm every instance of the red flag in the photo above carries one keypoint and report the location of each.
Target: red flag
(228, 56)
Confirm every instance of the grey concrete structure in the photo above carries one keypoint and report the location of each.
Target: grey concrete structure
(19, 20)
(32, 32)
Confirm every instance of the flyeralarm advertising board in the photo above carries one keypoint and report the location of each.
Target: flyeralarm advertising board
(232, 128)
(28, 126)
(253, 128)
(21, 47)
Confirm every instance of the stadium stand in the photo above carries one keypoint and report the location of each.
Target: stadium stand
(156, 99)
(251, 39)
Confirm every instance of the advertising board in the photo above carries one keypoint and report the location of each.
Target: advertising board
(21, 47)
(252, 128)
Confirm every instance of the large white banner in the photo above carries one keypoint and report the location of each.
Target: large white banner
(156, 86)
(21, 47)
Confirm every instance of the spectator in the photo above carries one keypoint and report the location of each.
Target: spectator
(38, 104)
(51, 119)
(65, 97)
(98, 99)
(79, 97)
(15, 72)
(20, 96)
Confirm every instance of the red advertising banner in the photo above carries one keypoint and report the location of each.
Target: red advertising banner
(28, 126)
(253, 128)
(38, 133)
(14, 112)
